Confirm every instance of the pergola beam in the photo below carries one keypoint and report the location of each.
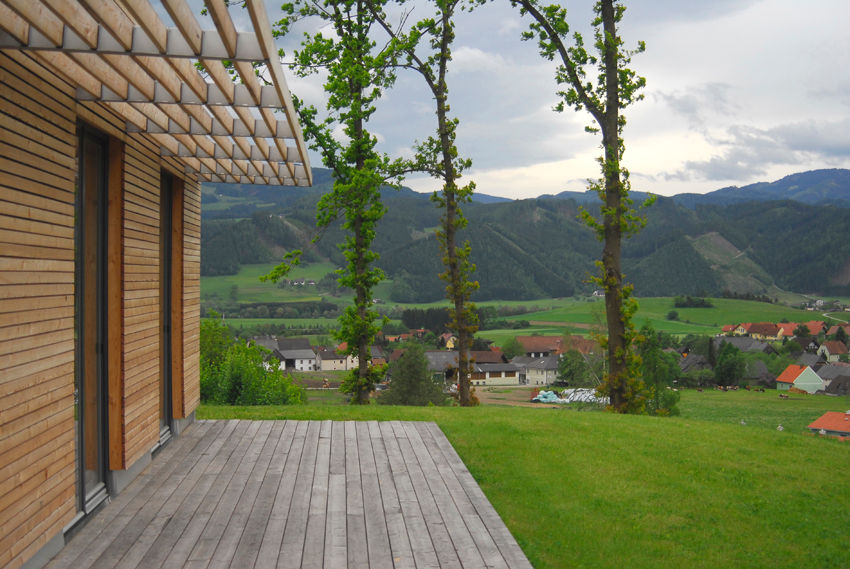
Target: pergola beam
(120, 53)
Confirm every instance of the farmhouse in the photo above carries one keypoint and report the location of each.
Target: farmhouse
(832, 350)
(107, 129)
(801, 377)
(537, 371)
(494, 374)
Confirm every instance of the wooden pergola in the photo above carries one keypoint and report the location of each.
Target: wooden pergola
(229, 123)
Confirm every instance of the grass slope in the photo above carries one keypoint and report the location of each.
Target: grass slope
(604, 490)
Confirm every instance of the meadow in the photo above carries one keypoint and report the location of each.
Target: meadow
(593, 489)
(545, 316)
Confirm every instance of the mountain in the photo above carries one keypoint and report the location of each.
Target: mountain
(816, 187)
(538, 248)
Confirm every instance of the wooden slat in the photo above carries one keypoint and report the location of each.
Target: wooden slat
(253, 494)
(117, 456)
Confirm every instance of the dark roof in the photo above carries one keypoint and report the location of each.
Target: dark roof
(441, 360)
(693, 362)
(832, 371)
(544, 363)
(494, 367)
(808, 359)
(268, 342)
(299, 354)
(839, 386)
(293, 344)
(329, 354)
(744, 343)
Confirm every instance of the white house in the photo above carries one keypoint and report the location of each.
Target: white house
(801, 377)
(494, 374)
(537, 371)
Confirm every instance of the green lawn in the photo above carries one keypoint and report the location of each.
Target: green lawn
(590, 489)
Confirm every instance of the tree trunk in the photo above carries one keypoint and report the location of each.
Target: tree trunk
(612, 220)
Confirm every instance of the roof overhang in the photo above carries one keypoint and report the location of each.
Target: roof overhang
(228, 123)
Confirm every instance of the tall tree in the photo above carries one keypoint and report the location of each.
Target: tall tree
(438, 156)
(615, 88)
(357, 73)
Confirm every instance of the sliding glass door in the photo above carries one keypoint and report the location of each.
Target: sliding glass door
(91, 318)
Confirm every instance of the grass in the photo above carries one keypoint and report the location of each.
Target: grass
(548, 316)
(250, 289)
(603, 490)
(654, 310)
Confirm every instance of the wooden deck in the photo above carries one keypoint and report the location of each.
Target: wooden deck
(312, 494)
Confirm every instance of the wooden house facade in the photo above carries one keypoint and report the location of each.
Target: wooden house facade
(106, 131)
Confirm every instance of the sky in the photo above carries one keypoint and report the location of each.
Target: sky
(738, 91)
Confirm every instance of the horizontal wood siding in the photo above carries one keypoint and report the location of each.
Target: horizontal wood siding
(141, 298)
(191, 296)
(37, 175)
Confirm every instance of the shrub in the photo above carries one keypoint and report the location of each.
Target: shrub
(235, 373)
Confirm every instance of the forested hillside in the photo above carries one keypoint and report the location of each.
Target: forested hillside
(538, 248)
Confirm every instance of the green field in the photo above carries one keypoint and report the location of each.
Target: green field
(547, 316)
(250, 289)
(599, 490)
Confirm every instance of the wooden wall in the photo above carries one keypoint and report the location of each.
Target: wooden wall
(38, 155)
(191, 392)
(37, 170)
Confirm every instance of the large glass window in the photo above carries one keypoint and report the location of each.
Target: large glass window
(91, 318)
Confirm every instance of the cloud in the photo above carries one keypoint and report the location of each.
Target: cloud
(473, 59)
(697, 103)
(749, 151)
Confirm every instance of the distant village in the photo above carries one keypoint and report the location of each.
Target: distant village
(822, 365)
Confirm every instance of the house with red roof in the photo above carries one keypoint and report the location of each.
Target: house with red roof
(787, 328)
(729, 328)
(541, 346)
(742, 329)
(767, 331)
(801, 377)
(833, 330)
(832, 424)
(832, 350)
(815, 326)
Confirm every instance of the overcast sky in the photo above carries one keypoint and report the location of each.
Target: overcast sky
(737, 92)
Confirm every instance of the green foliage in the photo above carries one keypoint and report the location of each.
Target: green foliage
(731, 365)
(411, 382)
(673, 315)
(360, 385)
(659, 370)
(512, 348)
(433, 319)
(357, 74)
(692, 302)
(575, 370)
(235, 373)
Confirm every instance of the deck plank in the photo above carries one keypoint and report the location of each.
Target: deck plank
(299, 494)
